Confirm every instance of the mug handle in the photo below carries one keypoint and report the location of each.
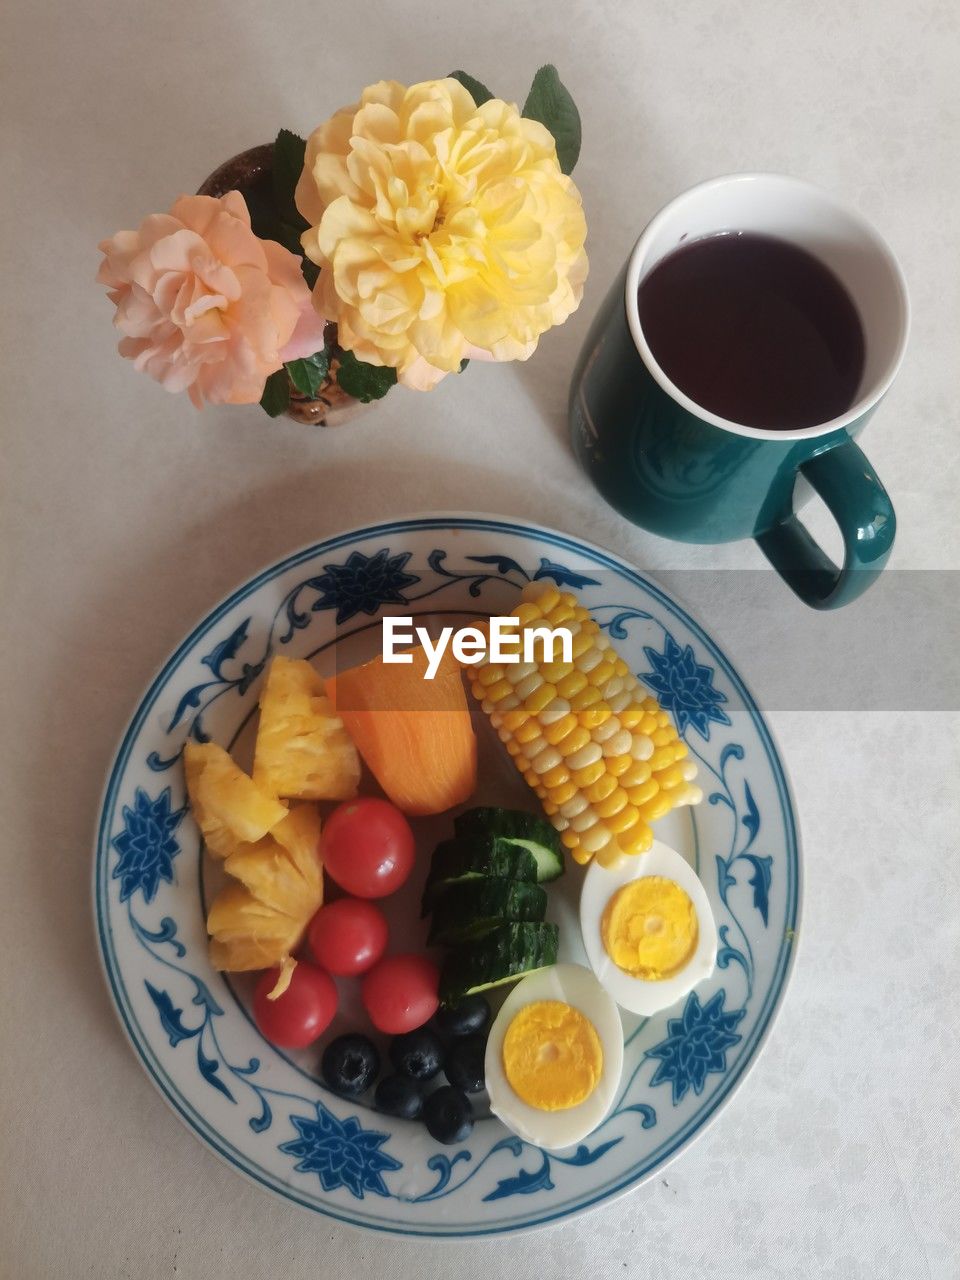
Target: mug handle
(858, 502)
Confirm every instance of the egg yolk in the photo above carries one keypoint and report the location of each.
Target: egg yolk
(552, 1056)
(649, 928)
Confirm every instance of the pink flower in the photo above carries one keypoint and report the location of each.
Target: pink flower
(206, 306)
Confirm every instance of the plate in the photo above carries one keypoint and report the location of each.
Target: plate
(266, 1112)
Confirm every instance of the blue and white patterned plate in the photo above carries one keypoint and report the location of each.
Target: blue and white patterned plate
(266, 1112)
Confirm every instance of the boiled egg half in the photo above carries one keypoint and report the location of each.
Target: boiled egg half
(555, 1056)
(648, 929)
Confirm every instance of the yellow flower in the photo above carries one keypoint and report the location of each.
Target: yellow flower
(443, 230)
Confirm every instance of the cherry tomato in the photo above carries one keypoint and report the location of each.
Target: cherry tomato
(302, 1013)
(367, 847)
(348, 937)
(400, 993)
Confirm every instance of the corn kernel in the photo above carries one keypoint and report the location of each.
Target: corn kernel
(575, 741)
(528, 731)
(497, 692)
(571, 685)
(555, 733)
(610, 807)
(587, 697)
(561, 793)
(540, 698)
(638, 839)
(657, 807)
(596, 838)
(487, 675)
(618, 765)
(588, 774)
(595, 716)
(639, 795)
(638, 772)
(556, 776)
(555, 671)
(570, 839)
(513, 719)
(625, 820)
(604, 786)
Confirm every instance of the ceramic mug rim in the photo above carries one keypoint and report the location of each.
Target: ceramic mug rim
(863, 403)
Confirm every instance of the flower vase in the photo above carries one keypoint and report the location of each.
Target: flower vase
(251, 173)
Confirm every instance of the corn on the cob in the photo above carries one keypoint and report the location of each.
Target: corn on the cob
(603, 757)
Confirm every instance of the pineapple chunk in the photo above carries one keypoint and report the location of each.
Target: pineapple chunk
(283, 870)
(229, 807)
(248, 934)
(303, 751)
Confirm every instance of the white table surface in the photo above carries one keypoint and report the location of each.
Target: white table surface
(125, 515)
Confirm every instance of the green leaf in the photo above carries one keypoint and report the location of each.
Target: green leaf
(308, 374)
(276, 394)
(549, 101)
(479, 92)
(365, 382)
(288, 155)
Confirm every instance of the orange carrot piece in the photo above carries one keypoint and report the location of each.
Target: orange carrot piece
(415, 735)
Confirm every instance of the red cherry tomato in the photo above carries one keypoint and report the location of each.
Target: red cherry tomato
(367, 847)
(348, 937)
(400, 993)
(302, 1013)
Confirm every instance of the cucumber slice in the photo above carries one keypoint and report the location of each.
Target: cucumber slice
(472, 908)
(525, 830)
(506, 953)
(470, 859)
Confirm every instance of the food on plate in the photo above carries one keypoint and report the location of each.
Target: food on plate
(227, 805)
(350, 1064)
(245, 934)
(500, 956)
(415, 735)
(468, 1017)
(518, 830)
(417, 1054)
(348, 937)
(368, 847)
(398, 1096)
(283, 870)
(554, 1056)
(468, 910)
(604, 758)
(301, 1013)
(467, 861)
(448, 1115)
(648, 929)
(259, 921)
(400, 993)
(464, 1064)
(303, 751)
(480, 884)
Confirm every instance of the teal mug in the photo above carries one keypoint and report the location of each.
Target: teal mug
(682, 472)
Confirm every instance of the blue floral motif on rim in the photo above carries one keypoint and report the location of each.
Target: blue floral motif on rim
(146, 844)
(341, 1152)
(363, 584)
(684, 687)
(696, 1045)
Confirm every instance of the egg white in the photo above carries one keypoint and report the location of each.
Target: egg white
(600, 884)
(554, 1130)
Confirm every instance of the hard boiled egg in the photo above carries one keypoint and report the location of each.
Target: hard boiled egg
(554, 1056)
(648, 929)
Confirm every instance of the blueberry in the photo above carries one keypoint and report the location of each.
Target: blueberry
(464, 1064)
(399, 1096)
(418, 1054)
(464, 1019)
(447, 1115)
(350, 1065)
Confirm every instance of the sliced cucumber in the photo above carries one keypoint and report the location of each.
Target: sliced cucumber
(470, 859)
(520, 828)
(472, 908)
(506, 953)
